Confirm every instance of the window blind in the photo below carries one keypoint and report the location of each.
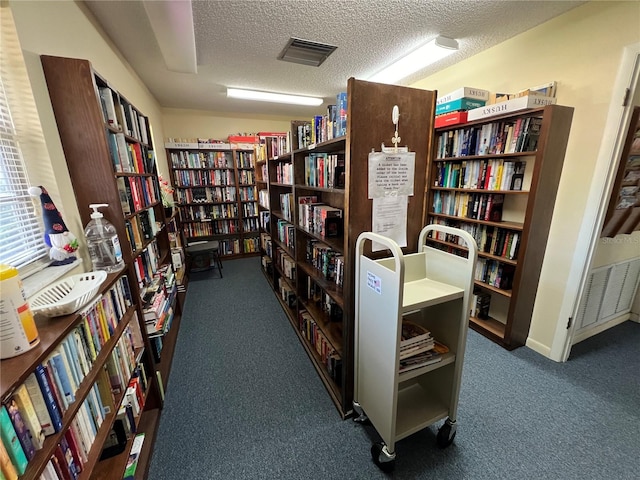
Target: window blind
(21, 236)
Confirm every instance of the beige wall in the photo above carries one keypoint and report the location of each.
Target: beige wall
(581, 50)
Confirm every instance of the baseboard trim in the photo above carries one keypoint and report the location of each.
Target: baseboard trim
(538, 347)
(599, 328)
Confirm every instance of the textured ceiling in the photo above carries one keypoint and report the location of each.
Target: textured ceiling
(237, 43)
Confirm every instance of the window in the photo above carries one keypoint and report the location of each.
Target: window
(21, 236)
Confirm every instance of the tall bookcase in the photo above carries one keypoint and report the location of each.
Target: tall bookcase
(216, 194)
(109, 152)
(319, 309)
(504, 197)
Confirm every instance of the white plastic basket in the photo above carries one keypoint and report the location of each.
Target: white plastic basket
(68, 295)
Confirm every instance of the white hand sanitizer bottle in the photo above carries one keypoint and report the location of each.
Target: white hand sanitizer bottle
(102, 242)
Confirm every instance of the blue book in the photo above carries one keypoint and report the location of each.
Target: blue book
(74, 469)
(459, 104)
(62, 374)
(341, 114)
(11, 442)
(52, 405)
(69, 346)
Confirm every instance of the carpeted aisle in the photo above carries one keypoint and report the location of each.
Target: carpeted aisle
(244, 402)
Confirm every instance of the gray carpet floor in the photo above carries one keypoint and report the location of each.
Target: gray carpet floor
(244, 402)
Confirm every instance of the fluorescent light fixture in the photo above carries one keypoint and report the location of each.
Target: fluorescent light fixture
(431, 52)
(273, 97)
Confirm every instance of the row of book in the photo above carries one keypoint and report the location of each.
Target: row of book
(497, 241)
(245, 160)
(130, 157)
(507, 136)
(251, 244)
(322, 128)
(206, 195)
(263, 198)
(286, 205)
(318, 218)
(264, 217)
(200, 178)
(246, 177)
(207, 229)
(204, 213)
(495, 273)
(206, 159)
(317, 296)
(489, 174)
(324, 170)
(284, 173)
(120, 114)
(137, 193)
(250, 225)
(263, 173)
(141, 228)
(159, 300)
(287, 293)
(146, 263)
(286, 233)
(476, 206)
(266, 245)
(249, 209)
(272, 145)
(329, 356)
(286, 264)
(247, 194)
(325, 259)
(480, 304)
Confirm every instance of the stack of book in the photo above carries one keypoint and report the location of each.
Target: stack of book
(418, 348)
(451, 109)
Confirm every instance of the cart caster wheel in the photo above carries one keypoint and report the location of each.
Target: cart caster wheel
(382, 458)
(446, 434)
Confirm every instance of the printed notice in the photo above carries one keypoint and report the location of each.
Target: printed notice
(389, 218)
(374, 283)
(391, 173)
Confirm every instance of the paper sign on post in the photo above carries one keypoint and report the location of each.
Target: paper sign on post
(390, 220)
(391, 173)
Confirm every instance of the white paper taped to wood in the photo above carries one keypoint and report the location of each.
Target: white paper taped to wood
(391, 173)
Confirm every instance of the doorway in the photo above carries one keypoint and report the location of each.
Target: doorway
(593, 251)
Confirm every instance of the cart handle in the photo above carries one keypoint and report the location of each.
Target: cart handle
(398, 256)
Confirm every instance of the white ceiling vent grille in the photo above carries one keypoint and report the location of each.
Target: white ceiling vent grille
(306, 52)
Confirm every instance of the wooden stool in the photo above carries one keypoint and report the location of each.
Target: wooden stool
(204, 256)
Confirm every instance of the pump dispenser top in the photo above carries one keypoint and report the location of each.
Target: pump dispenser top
(96, 213)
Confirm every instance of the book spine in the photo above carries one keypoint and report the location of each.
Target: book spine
(11, 442)
(6, 466)
(52, 405)
(25, 406)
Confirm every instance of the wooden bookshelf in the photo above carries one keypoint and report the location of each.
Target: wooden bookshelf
(457, 200)
(110, 156)
(216, 189)
(368, 126)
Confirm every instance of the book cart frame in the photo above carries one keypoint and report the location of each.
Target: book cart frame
(433, 287)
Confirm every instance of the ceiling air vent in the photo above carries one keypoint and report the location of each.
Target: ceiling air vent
(306, 52)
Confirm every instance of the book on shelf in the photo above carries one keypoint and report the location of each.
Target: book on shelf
(461, 104)
(134, 455)
(464, 92)
(6, 466)
(25, 406)
(508, 106)
(11, 441)
(452, 118)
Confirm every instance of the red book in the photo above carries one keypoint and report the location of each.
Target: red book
(453, 118)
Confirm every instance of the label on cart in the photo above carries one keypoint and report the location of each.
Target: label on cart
(374, 283)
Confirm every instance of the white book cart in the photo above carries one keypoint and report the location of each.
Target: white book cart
(432, 288)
